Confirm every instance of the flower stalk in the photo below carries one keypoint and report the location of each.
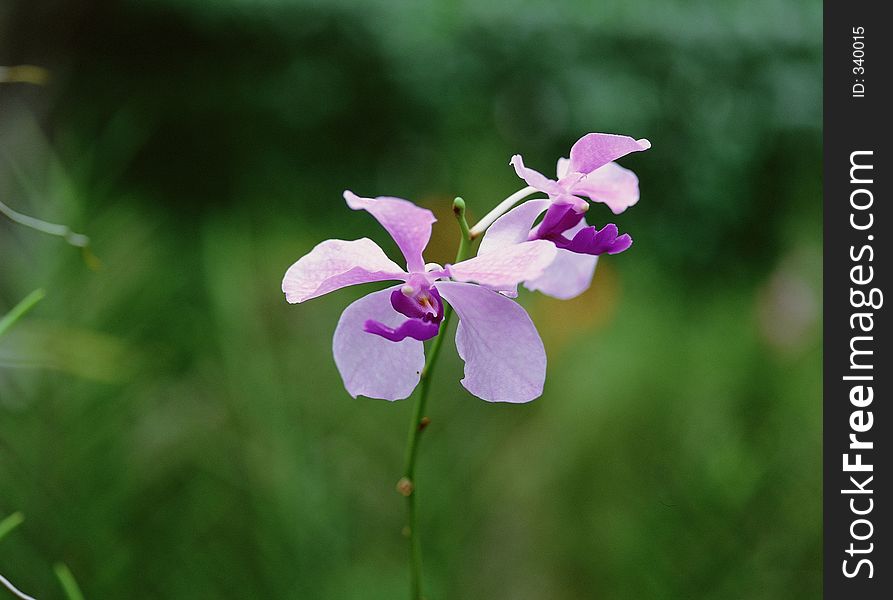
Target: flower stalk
(499, 210)
(407, 484)
(79, 240)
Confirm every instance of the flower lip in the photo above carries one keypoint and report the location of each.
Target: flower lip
(595, 242)
(424, 304)
(561, 221)
(411, 328)
(559, 218)
(424, 308)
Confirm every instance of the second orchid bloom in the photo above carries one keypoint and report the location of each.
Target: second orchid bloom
(378, 342)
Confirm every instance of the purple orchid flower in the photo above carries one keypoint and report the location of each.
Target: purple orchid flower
(589, 172)
(378, 345)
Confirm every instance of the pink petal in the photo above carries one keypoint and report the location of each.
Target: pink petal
(334, 264)
(504, 356)
(612, 184)
(569, 275)
(369, 364)
(513, 227)
(507, 267)
(562, 168)
(594, 150)
(535, 178)
(408, 224)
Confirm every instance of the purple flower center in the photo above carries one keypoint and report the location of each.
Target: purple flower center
(560, 218)
(424, 308)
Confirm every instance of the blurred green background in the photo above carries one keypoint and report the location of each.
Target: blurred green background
(171, 428)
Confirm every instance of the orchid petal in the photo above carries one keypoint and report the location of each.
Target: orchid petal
(508, 267)
(504, 356)
(408, 224)
(612, 184)
(513, 227)
(334, 264)
(578, 204)
(369, 364)
(569, 275)
(535, 178)
(594, 150)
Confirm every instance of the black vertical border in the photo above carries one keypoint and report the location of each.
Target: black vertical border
(856, 124)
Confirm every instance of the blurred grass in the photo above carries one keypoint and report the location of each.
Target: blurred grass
(9, 523)
(173, 429)
(21, 309)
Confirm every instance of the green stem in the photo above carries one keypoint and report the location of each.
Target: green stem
(407, 485)
(19, 310)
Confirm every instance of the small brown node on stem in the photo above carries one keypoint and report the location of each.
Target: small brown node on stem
(406, 531)
(424, 422)
(405, 487)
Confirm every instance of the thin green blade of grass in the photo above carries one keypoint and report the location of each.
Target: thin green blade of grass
(68, 583)
(10, 523)
(20, 309)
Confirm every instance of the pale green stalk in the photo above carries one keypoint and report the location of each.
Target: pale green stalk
(14, 590)
(499, 210)
(64, 231)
